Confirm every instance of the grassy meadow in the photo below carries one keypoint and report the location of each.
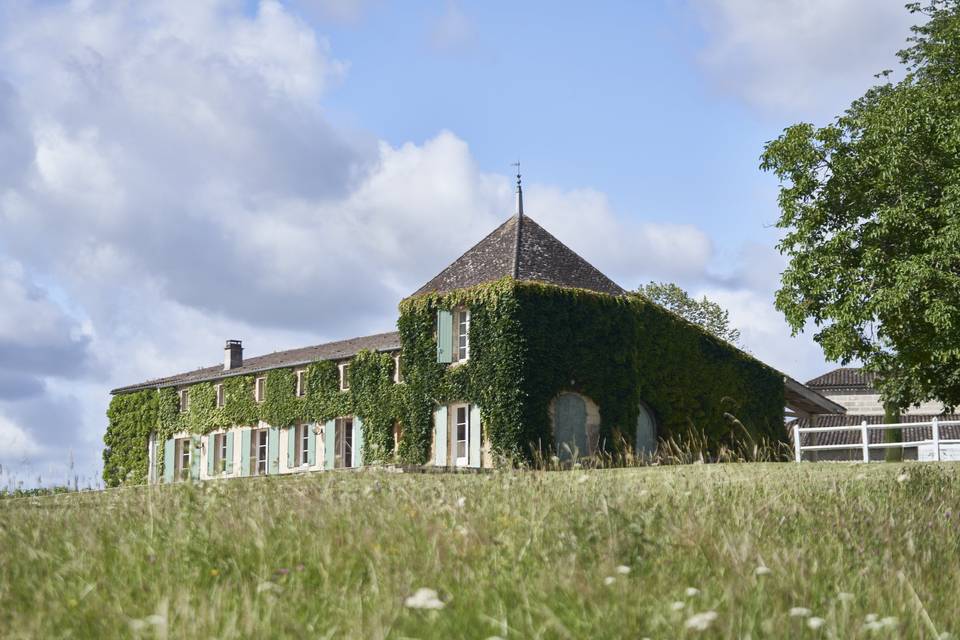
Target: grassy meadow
(760, 550)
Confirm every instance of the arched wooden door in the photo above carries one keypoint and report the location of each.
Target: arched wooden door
(646, 432)
(570, 426)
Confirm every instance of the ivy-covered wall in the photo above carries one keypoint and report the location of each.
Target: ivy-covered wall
(528, 343)
(621, 351)
(372, 395)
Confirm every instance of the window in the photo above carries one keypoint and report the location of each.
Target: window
(221, 399)
(462, 337)
(345, 377)
(397, 375)
(184, 400)
(260, 389)
(258, 453)
(301, 383)
(461, 433)
(303, 454)
(219, 453)
(343, 443)
(184, 447)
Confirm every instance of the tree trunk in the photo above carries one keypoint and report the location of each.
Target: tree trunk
(891, 415)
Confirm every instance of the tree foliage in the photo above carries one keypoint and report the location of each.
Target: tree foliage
(703, 312)
(870, 206)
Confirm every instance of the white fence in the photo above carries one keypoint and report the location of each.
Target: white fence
(935, 444)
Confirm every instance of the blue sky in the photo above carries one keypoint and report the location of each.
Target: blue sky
(177, 173)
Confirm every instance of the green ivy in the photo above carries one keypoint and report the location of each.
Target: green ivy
(131, 417)
(529, 342)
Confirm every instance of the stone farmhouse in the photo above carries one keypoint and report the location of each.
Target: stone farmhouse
(519, 350)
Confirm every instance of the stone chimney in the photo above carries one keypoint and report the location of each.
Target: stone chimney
(232, 355)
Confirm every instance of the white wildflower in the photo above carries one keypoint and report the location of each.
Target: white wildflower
(692, 591)
(890, 622)
(762, 570)
(609, 580)
(424, 599)
(845, 596)
(461, 502)
(799, 612)
(266, 586)
(815, 622)
(623, 569)
(903, 477)
(701, 621)
(678, 606)
(871, 617)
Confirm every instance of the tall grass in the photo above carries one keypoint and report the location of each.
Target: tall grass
(856, 551)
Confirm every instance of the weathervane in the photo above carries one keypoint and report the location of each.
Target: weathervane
(519, 211)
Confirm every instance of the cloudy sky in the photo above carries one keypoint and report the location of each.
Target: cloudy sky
(173, 174)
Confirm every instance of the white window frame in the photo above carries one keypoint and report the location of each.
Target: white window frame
(458, 460)
(343, 433)
(256, 447)
(221, 396)
(461, 319)
(303, 444)
(184, 454)
(219, 453)
(301, 383)
(184, 400)
(397, 376)
(344, 376)
(260, 389)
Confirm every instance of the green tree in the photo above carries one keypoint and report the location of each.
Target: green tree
(704, 312)
(870, 208)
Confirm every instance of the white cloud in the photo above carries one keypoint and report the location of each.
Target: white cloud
(17, 443)
(800, 57)
(452, 30)
(175, 178)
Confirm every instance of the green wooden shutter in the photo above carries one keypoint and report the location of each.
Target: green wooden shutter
(195, 457)
(229, 465)
(444, 336)
(440, 436)
(211, 454)
(245, 452)
(357, 442)
(169, 464)
(273, 450)
(292, 447)
(329, 444)
(311, 444)
(474, 437)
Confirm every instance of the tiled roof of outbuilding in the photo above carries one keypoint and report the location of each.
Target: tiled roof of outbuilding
(304, 355)
(524, 250)
(844, 378)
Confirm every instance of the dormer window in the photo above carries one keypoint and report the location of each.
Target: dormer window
(260, 389)
(184, 400)
(345, 376)
(301, 383)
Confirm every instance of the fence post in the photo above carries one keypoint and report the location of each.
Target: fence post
(866, 441)
(796, 439)
(935, 428)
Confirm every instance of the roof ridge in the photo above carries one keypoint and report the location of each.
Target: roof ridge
(516, 247)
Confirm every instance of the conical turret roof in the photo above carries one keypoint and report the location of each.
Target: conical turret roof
(523, 249)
